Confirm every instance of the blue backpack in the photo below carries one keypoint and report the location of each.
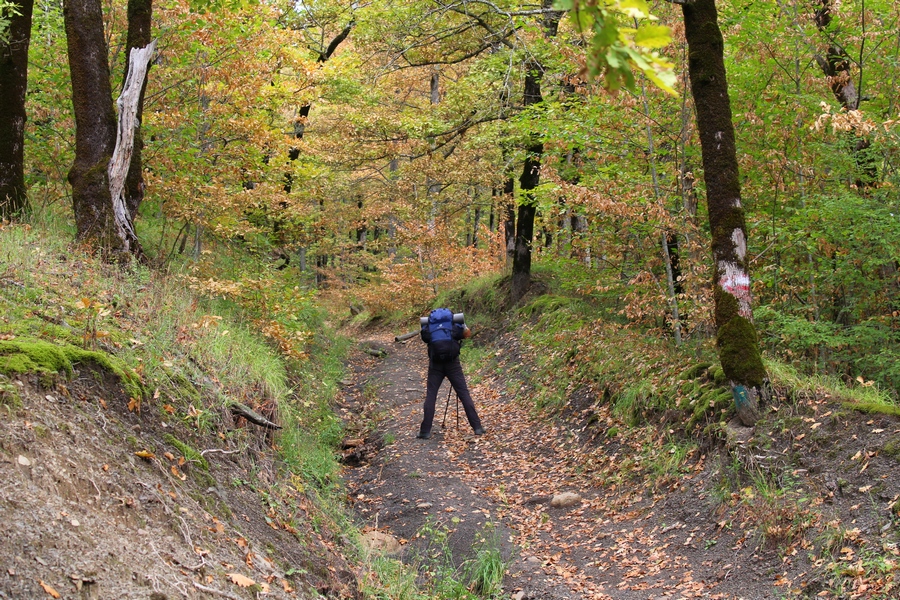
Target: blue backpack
(441, 335)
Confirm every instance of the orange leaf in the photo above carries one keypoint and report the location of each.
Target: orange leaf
(145, 454)
(49, 589)
(169, 455)
(169, 409)
(240, 580)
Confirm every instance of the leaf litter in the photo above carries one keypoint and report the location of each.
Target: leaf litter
(634, 536)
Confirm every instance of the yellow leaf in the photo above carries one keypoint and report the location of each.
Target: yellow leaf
(145, 454)
(49, 589)
(240, 580)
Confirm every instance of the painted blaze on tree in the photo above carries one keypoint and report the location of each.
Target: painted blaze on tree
(736, 336)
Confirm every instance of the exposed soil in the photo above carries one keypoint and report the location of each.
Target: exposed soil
(823, 499)
(84, 516)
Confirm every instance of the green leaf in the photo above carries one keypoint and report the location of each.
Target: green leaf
(653, 36)
(606, 33)
(564, 4)
(637, 9)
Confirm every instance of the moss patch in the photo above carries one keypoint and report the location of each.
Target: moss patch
(739, 352)
(39, 356)
(874, 408)
(187, 451)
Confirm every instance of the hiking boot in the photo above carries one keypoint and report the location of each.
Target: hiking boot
(479, 431)
(423, 436)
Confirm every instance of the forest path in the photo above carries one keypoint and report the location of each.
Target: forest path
(621, 541)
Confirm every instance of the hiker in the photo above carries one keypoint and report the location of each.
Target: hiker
(444, 332)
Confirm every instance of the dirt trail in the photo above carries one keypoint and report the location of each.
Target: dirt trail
(620, 541)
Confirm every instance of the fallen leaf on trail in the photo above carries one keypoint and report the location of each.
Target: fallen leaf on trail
(169, 455)
(24, 461)
(49, 589)
(178, 473)
(146, 454)
(134, 405)
(102, 402)
(169, 409)
(240, 580)
(865, 488)
(287, 586)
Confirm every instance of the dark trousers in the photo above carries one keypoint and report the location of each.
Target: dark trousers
(452, 370)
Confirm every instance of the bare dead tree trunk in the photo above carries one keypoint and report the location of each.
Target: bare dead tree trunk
(13, 85)
(736, 335)
(128, 131)
(140, 15)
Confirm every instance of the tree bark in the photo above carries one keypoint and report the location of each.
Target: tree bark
(13, 85)
(140, 15)
(531, 174)
(128, 131)
(736, 338)
(531, 171)
(95, 125)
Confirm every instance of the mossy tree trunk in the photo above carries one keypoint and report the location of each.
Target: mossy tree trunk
(140, 15)
(736, 335)
(13, 85)
(95, 126)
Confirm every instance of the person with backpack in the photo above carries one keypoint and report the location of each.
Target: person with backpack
(444, 332)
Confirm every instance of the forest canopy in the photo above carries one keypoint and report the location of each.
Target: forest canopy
(396, 148)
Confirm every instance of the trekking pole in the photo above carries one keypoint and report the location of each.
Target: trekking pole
(457, 411)
(447, 407)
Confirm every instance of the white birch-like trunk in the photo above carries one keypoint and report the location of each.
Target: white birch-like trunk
(127, 104)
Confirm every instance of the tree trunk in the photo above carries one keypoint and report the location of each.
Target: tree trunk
(835, 64)
(531, 171)
(13, 84)
(531, 174)
(509, 218)
(736, 335)
(140, 14)
(95, 125)
(128, 132)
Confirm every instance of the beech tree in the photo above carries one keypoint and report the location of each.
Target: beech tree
(736, 335)
(13, 85)
(102, 216)
(531, 170)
